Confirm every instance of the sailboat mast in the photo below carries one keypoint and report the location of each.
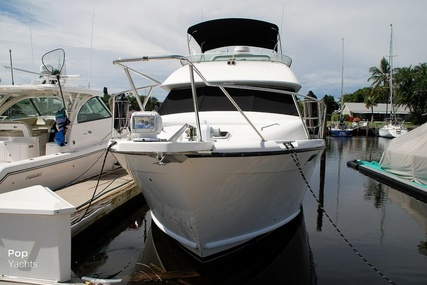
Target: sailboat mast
(342, 75)
(391, 69)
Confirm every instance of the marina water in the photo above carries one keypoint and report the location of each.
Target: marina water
(385, 226)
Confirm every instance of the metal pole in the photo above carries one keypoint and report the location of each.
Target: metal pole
(195, 104)
(11, 67)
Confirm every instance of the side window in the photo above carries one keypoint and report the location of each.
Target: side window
(93, 109)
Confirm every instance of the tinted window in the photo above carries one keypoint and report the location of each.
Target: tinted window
(212, 99)
(94, 109)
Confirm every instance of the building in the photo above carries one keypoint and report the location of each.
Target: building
(381, 111)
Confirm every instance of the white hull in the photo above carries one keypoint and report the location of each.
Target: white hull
(52, 136)
(211, 204)
(392, 131)
(54, 171)
(220, 163)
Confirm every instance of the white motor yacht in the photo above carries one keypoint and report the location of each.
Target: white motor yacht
(228, 155)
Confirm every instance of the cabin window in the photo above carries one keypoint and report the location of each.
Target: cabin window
(94, 109)
(212, 99)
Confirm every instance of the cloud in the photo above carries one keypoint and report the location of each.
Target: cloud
(94, 33)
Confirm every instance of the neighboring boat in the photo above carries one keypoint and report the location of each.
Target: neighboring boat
(392, 129)
(393, 126)
(52, 134)
(341, 129)
(402, 165)
(228, 155)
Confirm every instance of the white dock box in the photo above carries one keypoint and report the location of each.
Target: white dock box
(35, 235)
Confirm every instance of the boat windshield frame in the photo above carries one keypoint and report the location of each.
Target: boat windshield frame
(312, 120)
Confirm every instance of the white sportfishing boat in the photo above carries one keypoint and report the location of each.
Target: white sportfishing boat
(52, 134)
(227, 156)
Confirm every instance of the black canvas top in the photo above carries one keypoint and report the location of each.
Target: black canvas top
(234, 32)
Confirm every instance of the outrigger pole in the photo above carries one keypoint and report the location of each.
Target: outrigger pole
(11, 67)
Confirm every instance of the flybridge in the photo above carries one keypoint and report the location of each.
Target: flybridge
(235, 32)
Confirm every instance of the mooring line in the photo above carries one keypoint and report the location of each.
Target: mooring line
(298, 164)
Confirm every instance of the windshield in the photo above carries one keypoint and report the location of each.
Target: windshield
(33, 107)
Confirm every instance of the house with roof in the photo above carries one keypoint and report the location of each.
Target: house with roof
(381, 111)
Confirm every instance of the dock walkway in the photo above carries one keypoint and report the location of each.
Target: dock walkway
(95, 201)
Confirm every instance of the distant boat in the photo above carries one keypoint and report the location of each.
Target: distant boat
(392, 129)
(341, 129)
(394, 126)
(51, 133)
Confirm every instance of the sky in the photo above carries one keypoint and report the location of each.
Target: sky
(93, 33)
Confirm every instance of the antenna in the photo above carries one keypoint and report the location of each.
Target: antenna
(91, 49)
(342, 71)
(391, 68)
(11, 67)
(31, 40)
(281, 24)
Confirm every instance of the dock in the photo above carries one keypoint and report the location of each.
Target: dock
(373, 169)
(94, 200)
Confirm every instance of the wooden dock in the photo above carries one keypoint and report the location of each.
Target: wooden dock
(95, 200)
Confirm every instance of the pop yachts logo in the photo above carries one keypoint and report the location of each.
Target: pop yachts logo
(17, 259)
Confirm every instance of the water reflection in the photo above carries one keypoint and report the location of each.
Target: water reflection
(321, 195)
(137, 251)
(381, 222)
(375, 192)
(415, 208)
(281, 256)
(111, 249)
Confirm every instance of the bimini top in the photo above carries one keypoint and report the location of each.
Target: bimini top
(235, 32)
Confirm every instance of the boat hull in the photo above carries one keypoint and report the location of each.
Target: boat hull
(213, 203)
(391, 132)
(56, 170)
(341, 133)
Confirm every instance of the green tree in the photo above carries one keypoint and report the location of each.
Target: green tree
(106, 96)
(411, 87)
(380, 80)
(331, 104)
(358, 96)
(370, 101)
(152, 104)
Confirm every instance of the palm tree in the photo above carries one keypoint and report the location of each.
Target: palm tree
(370, 102)
(380, 77)
(412, 91)
(405, 81)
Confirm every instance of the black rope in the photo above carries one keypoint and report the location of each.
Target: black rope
(97, 182)
(297, 163)
(90, 167)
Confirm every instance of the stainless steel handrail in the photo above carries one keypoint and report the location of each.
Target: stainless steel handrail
(193, 69)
